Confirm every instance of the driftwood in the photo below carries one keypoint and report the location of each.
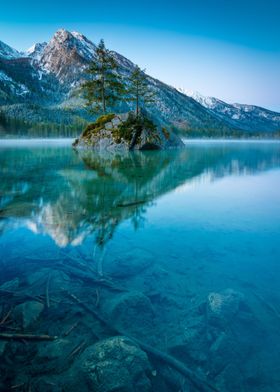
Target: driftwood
(20, 336)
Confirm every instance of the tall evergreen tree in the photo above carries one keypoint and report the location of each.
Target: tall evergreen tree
(104, 86)
(139, 90)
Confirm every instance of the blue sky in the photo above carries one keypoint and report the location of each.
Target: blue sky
(224, 48)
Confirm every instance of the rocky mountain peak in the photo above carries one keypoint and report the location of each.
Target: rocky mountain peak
(66, 54)
(36, 51)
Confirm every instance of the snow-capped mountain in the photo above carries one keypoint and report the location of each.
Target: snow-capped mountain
(41, 84)
(66, 55)
(6, 52)
(36, 51)
(247, 117)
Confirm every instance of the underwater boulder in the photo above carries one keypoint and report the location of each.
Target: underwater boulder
(28, 312)
(128, 264)
(131, 313)
(58, 349)
(223, 306)
(113, 364)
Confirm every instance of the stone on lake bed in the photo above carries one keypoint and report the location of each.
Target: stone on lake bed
(57, 349)
(223, 306)
(131, 313)
(113, 364)
(28, 312)
(3, 344)
(129, 264)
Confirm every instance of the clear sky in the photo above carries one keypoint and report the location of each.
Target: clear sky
(224, 48)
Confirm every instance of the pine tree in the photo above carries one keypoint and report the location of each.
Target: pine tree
(138, 89)
(104, 86)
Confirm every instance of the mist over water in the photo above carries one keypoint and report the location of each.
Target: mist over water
(190, 237)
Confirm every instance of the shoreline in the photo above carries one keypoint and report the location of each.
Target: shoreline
(6, 141)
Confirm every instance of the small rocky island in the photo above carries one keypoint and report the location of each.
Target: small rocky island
(126, 131)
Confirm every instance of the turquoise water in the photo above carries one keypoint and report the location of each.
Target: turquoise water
(178, 249)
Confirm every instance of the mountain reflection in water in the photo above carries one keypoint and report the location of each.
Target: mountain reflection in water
(67, 196)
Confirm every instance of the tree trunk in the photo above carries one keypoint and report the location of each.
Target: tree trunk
(137, 101)
(103, 95)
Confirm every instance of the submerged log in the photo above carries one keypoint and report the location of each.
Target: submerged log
(20, 336)
(193, 377)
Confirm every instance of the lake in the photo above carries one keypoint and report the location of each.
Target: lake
(176, 249)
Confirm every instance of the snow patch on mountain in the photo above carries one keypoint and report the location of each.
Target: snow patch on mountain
(4, 77)
(85, 47)
(240, 115)
(207, 102)
(36, 51)
(7, 52)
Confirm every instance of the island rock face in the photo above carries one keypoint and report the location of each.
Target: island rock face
(126, 132)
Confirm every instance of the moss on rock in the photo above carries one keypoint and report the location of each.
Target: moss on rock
(126, 131)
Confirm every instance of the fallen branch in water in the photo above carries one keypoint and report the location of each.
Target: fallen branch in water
(20, 336)
(77, 273)
(19, 296)
(97, 298)
(93, 312)
(47, 291)
(5, 318)
(195, 379)
(77, 350)
(71, 329)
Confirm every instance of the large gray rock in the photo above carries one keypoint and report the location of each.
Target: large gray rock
(114, 364)
(120, 132)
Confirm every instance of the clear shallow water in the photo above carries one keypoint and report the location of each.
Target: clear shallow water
(190, 238)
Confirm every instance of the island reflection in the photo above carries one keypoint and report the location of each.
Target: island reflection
(78, 194)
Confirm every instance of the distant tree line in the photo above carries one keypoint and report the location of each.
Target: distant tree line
(11, 126)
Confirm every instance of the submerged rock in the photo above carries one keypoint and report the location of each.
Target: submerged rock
(126, 132)
(28, 312)
(131, 313)
(54, 350)
(222, 307)
(2, 347)
(129, 264)
(114, 364)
